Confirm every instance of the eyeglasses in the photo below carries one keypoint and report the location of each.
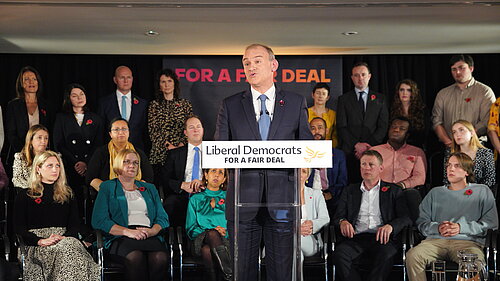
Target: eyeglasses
(128, 162)
(116, 130)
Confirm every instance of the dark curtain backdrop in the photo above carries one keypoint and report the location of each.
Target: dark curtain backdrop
(95, 72)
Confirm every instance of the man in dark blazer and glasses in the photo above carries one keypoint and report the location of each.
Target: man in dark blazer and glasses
(263, 112)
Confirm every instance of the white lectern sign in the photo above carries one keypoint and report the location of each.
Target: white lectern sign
(267, 154)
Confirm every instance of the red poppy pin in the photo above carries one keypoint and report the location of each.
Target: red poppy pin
(136, 101)
(177, 105)
(141, 188)
(221, 201)
(43, 112)
(373, 97)
(89, 122)
(468, 192)
(282, 102)
(38, 200)
(385, 188)
(467, 99)
(411, 158)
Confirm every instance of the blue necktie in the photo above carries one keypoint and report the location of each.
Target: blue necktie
(124, 107)
(265, 119)
(196, 164)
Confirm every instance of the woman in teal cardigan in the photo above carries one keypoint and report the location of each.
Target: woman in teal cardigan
(131, 214)
(206, 224)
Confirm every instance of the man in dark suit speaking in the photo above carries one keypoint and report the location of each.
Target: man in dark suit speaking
(370, 215)
(263, 112)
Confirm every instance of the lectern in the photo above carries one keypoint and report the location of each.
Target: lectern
(275, 166)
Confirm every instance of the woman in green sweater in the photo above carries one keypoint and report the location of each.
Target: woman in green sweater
(206, 224)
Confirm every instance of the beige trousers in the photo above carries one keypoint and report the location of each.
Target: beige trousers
(429, 250)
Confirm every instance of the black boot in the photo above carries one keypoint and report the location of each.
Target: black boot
(223, 259)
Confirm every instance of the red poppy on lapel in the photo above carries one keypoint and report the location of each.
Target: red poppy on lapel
(385, 188)
(468, 192)
(468, 99)
(43, 112)
(136, 101)
(411, 158)
(282, 102)
(373, 97)
(89, 122)
(38, 200)
(221, 201)
(141, 188)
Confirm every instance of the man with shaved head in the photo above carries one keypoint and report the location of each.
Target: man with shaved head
(124, 104)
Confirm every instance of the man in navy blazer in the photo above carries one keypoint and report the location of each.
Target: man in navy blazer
(370, 216)
(362, 119)
(238, 119)
(336, 177)
(126, 105)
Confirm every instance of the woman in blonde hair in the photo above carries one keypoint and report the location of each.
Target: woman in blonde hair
(465, 140)
(36, 142)
(132, 216)
(46, 216)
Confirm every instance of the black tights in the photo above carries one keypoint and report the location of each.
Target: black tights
(212, 240)
(137, 260)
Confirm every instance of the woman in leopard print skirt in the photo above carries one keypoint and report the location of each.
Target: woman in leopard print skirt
(46, 216)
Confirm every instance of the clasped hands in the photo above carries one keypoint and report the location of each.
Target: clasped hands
(51, 240)
(306, 228)
(193, 186)
(448, 229)
(383, 233)
(140, 233)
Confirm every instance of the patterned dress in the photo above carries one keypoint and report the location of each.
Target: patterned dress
(166, 123)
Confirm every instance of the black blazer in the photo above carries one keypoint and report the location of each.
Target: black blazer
(77, 143)
(236, 121)
(172, 173)
(98, 166)
(353, 128)
(109, 110)
(393, 207)
(18, 124)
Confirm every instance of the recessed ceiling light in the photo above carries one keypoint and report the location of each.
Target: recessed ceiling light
(349, 33)
(152, 33)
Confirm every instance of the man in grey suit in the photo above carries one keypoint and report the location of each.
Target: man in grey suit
(362, 119)
(263, 112)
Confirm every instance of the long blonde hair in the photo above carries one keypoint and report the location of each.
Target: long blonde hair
(62, 192)
(27, 152)
(474, 140)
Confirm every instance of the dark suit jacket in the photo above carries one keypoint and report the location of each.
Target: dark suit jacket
(337, 175)
(77, 143)
(236, 121)
(18, 124)
(353, 128)
(109, 110)
(393, 206)
(172, 173)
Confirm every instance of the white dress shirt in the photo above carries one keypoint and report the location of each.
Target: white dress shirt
(369, 217)
(271, 97)
(188, 173)
(119, 96)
